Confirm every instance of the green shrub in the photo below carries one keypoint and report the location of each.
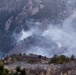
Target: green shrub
(18, 68)
(54, 59)
(23, 72)
(60, 59)
(31, 61)
(72, 57)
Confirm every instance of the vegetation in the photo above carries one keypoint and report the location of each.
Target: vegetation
(20, 71)
(60, 59)
(72, 57)
(4, 71)
(32, 61)
(35, 59)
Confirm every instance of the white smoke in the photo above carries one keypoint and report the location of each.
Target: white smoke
(38, 50)
(33, 30)
(26, 34)
(64, 36)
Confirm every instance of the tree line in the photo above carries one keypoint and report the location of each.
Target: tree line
(61, 59)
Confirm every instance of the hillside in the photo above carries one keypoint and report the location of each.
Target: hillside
(25, 26)
(39, 65)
